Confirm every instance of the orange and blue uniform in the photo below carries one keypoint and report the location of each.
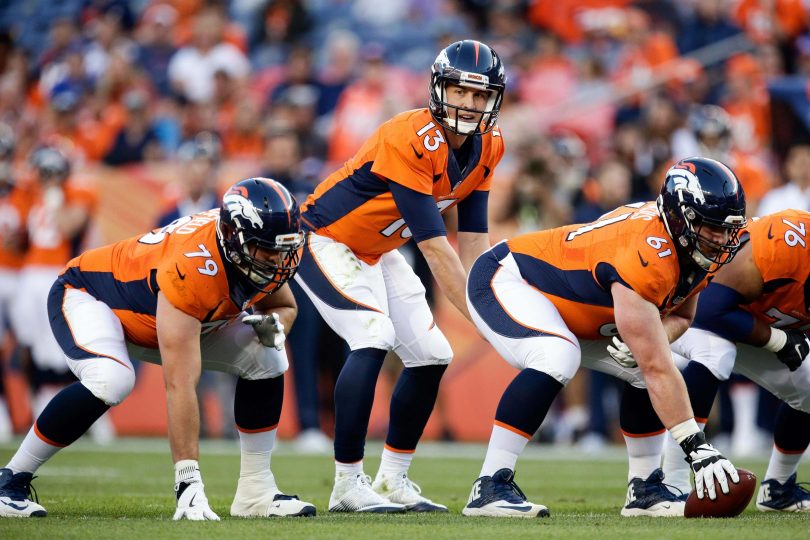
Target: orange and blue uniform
(779, 249)
(356, 204)
(574, 267)
(182, 260)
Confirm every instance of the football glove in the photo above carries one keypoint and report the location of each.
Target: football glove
(707, 464)
(796, 348)
(268, 328)
(192, 504)
(621, 353)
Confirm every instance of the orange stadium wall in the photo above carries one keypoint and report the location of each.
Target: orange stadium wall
(130, 200)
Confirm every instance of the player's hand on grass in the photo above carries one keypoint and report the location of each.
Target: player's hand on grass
(707, 464)
(192, 504)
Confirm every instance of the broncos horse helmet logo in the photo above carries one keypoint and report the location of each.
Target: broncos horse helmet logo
(686, 180)
(241, 207)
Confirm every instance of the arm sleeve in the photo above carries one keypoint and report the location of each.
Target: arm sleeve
(419, 212)
(719, 312)
(472, 212)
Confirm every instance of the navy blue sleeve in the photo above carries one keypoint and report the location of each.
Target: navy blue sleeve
(472, 212)
(419, 212)
(719, 311)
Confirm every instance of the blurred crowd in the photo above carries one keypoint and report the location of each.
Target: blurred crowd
(602, 96)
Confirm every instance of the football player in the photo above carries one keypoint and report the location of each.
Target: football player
(178, 296)
(759, 301)
(57, 224)
(547, 301)
(412, 169)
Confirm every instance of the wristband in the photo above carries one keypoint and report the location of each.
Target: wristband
(777, 340)
(684, 430)
(186, 470)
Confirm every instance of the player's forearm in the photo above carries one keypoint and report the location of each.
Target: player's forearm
(667, 390)
(471, 246)
(183, 419)
(675, 325)
(447, 269)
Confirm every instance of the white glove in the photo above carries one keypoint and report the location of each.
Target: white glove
(621, 353)
(192, 503)
(708, 464)
(268, 328)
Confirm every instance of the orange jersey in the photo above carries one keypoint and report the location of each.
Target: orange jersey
(47, 246)
(13, 214)
(575, 265)
(183, 260)
(779, 247)
(354, 205)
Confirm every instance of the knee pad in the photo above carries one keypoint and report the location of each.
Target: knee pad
(432, 349)
(108, 380)
(377, 331)
(556, 357)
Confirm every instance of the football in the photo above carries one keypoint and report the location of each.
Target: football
(725, 505)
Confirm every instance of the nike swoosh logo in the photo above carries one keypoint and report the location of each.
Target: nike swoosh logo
(182, 276)
(518, 508)
(643, 262)
(16, 507)
(770, 233)
(191, 502)
(419, 154)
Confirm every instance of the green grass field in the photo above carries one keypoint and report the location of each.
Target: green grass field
(126, 491)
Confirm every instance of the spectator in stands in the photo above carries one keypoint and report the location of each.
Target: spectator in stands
(137, 141)
(709, 24)
(795, 193)
(200, 158)
(192, 68)
(155, 37)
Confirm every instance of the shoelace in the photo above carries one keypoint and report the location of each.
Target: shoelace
(26, 491)
(666, 490)
(801, 490)
(406, 482)
(508, 490)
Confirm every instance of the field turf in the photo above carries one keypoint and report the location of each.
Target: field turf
(126, 491)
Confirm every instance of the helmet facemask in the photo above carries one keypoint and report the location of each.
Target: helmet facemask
(707, 253)
(685, 227)
(449, 114)
(266, 265)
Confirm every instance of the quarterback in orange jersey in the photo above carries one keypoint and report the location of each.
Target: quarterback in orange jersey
(177, 296)
(758, 301)
(634, 273)
(411, 170)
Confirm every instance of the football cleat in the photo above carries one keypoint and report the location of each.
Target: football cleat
(15, 495)
(499, 496)
(652, 497)
(398, 488)
(353, 493)
(791, 496)
(258, 496)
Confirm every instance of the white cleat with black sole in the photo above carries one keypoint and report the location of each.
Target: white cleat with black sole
(259, 496)
(16, 496)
